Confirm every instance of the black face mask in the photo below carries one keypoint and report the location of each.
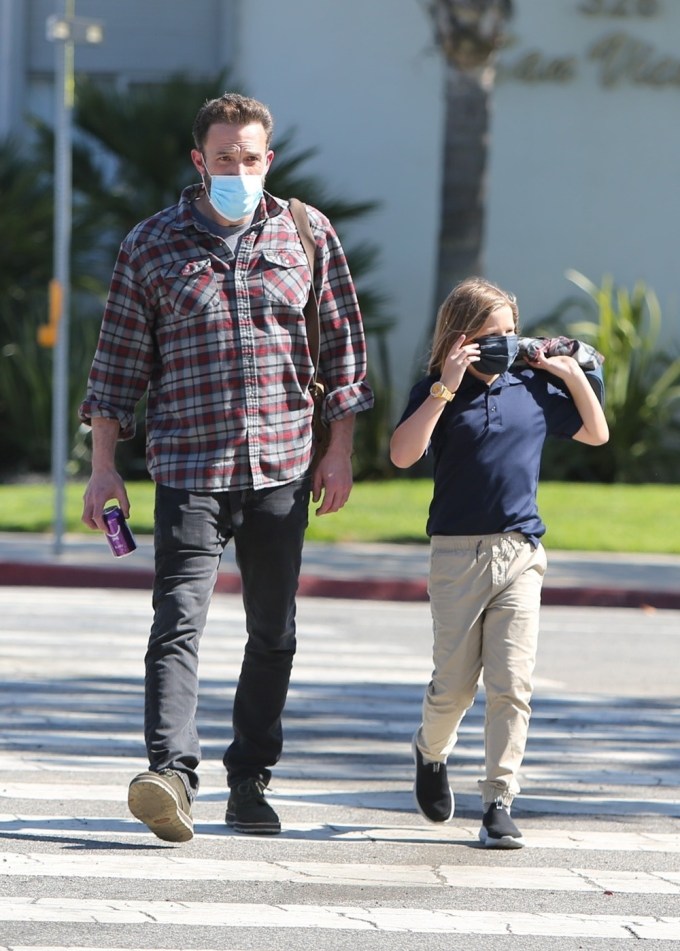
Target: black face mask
(497, 353)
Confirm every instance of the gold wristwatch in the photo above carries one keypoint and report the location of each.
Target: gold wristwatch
(441, 392)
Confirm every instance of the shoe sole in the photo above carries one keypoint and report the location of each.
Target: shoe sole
(157, 807)
(253, 828)
(505, 842)
(414, 751)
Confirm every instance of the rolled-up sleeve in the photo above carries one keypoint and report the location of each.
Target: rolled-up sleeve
(342, 358)
(122, 363)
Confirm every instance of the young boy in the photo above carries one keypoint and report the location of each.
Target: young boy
(485, 422)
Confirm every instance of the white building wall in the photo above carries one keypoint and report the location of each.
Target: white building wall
(143, 39)
(584, 172)
(144, 42)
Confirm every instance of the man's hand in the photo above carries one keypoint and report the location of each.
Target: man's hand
(102, 487)
(332, 477)
(105, 483)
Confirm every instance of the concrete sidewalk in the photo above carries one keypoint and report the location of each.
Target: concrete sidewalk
(382, 572)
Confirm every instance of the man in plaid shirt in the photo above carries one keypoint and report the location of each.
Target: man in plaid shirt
(205, 312)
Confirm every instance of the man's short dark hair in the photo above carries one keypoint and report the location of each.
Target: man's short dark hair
(233, 109)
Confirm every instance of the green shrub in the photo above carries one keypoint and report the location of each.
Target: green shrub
(26, 385)
(642, 380)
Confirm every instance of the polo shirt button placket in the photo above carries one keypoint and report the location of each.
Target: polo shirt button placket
(494, 415)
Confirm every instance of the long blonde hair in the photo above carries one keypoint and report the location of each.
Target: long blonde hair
(465, 311)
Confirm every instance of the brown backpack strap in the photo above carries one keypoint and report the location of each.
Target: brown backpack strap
(299, 212)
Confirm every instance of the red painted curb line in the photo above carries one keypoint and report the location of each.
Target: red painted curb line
(73, 576)
(372, 589)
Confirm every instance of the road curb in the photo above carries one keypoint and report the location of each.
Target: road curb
(32, 574)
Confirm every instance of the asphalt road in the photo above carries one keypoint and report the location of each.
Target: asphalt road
(355, 866)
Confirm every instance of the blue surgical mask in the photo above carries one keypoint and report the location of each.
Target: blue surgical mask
(235, 197)
(497, 353)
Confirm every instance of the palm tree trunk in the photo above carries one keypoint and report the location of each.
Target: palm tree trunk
(461, 230)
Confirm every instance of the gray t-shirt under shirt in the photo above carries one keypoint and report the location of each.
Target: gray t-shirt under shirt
(230, 234)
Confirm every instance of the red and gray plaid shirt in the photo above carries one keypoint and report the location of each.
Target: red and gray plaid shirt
(220, 342)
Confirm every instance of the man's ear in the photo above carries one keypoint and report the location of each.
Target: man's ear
(197, 159)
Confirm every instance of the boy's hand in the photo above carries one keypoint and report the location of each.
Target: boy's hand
(458, 359)
(561, 366)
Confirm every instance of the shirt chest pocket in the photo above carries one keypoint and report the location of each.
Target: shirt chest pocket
(188, 289)
(284, 276)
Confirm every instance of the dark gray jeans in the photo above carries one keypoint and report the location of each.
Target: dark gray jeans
(191, 531)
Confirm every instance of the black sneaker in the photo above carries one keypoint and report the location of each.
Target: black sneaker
(161, 801)
(248, 810)
(431, 789)
(498, 830)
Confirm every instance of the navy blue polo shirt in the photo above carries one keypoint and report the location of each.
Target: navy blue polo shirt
(487, 449)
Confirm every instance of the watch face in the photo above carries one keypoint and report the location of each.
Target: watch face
(438, 389)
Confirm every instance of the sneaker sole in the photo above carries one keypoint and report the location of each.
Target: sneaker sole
(415, 795)
(156, 806)
(253, 828)
(505, 842)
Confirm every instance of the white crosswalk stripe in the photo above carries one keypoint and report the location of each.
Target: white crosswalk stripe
(175, 869)
(62, 827)
(352, 918)
(354, 863)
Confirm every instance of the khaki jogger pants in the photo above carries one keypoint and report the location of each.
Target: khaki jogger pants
(485, 593)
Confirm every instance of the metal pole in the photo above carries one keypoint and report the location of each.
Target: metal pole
(64, 83)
